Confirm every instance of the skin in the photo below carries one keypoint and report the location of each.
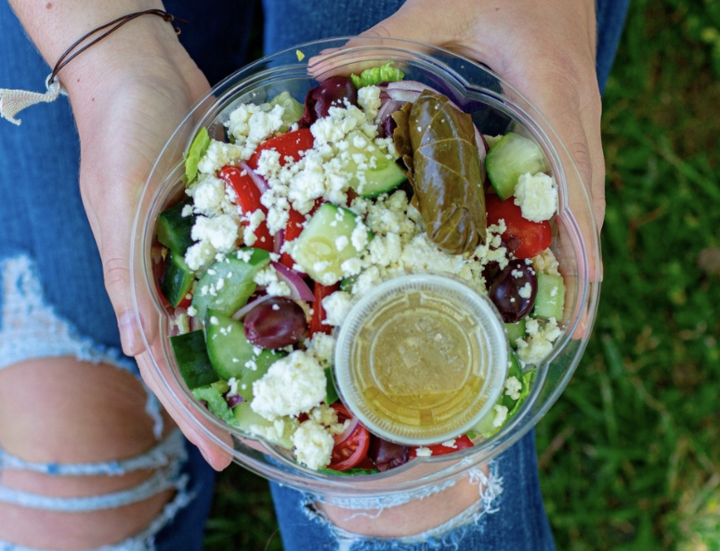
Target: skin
(130, 91)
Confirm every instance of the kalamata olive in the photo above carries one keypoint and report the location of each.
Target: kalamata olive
(513, 290)
(387, 455)
(387, 127)
(275, 323)
(331, 92)
(490, 271)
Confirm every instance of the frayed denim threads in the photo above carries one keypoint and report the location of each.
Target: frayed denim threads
(158, 457)
(145, 540)
(446, 536)
(30, 329)
(164, 478)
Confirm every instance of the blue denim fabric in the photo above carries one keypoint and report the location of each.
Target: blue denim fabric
(514, 520)
(520, 521)
(43, 228)
(42, 219)
(290, 22)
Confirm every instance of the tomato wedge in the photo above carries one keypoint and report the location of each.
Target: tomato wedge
(316, 322)
(523, 237)
(354, 447)
(461, 443)
(290, 144)
(248, 199)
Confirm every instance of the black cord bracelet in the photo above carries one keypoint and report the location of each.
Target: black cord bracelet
(71, 53)
(14, 101)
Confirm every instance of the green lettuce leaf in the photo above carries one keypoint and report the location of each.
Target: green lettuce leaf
(215, 401)
(331, 395)
(526, 379)
(197, 149)
(485, 426)
(293, 109)
(376, 75)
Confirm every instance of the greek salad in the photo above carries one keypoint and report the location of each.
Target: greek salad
(300, 209)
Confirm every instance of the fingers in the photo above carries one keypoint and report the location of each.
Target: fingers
(414, 21)
(567, 96)
(196, 429)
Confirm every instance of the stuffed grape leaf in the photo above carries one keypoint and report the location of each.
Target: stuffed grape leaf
(446, 173)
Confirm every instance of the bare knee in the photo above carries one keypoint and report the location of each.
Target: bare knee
(64, 412)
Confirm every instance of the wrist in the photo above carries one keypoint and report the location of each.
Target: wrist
(141, 48)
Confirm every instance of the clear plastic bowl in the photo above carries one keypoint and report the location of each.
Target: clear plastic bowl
(496, 108)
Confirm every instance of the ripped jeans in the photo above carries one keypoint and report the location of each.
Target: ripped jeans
(53, 302)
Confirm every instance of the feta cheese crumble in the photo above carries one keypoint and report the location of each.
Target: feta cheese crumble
(292, 385)
(313, 444)
(337, 306)
(539, 341)
(513, 387)
(501, 413)
(537, 197)
(423, 452)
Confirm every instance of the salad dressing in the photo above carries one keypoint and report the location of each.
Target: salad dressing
(422, 361)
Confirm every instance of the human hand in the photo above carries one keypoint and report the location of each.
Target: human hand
(129, 93)
(544, 50)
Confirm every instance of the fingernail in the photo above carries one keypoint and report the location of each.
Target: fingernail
(130, 334)
(207, 458)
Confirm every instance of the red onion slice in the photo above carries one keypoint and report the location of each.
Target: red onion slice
(406, 90)
(234, 400)
(174, 329)
(340, 438)
(279, 241)
(298, 288)
(195, 323)
(256, 178)
(387, 107)
(240, 314)
(482, 147)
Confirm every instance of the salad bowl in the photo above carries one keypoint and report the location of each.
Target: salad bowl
(495, 109)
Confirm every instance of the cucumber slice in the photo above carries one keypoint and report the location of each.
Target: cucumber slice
(173, 229)
(515, 331)
(237, 284)
(177, 280)
(550, 298)
(233, 356)
(326, 242)
(245, 417)
(509, 159)
(374, 173)
(192, 358)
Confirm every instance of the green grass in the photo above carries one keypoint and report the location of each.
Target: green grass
(645, 472)
(630, 454)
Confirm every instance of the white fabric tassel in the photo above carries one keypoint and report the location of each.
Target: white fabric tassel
(14, 101)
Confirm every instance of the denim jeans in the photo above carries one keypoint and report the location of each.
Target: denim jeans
(53, 302)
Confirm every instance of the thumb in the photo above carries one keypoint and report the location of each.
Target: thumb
(408, 23)
(416, 21)
(115, 255)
